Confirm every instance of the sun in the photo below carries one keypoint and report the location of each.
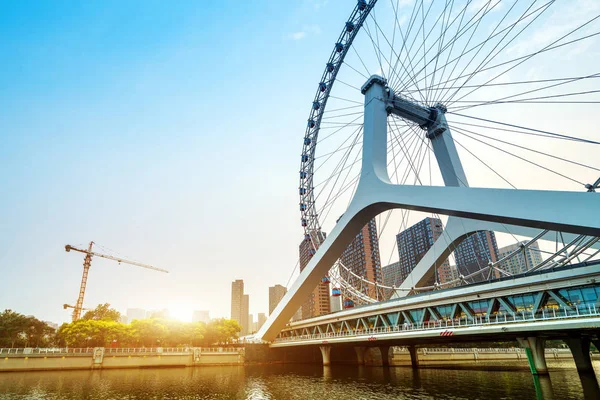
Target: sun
(181, 313)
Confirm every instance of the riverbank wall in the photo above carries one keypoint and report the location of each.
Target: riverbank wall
(462, 356)
(104, 358)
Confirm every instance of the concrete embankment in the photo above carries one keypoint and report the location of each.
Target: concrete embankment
(457, 356)
(103, 358)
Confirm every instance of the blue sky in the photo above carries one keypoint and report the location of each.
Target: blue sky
(170, 134)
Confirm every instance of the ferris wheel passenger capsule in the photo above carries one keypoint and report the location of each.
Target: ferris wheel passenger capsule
(330, 67)
(304, 222)
(339, 47)
(304, 157)
(307, 141)
(349, 26)
(348, 303)
(322, 86)
(311, 123)
(325, 280)
(362, 4)
(316, 105)
(302, 174)
(336, 292)
(302, 207)
(302, 191)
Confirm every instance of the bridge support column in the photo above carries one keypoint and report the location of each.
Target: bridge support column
(580, 348)
(534, 348)
(385, 355)
(360, 354)
(326, 353)
(414, 357)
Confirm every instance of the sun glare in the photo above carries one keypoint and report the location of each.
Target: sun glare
(183, 314)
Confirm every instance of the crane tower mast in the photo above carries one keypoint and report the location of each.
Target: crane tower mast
(87, 262)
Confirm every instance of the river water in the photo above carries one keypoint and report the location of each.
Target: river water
(289, 382)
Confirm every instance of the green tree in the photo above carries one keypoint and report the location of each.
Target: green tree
(95, 333)
(21, 331)
(221, 331)
(149, 332)
(103, 312)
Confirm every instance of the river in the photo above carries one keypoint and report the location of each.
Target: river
(289, 382)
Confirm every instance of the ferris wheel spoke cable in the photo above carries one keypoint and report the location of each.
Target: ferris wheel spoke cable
(557, 135)
(402, 36)
(464, 133)
(391, 44)
(361, 61)
(355, 70)
(456, 60)
(343, 115)
(409, 75)
(523, 101)
(487, 59)
(441, 44)
(456, 38)
(533, 150)
(375, 47)
(533, 55)
(335, 175)
(342, 163)
(527, 82)
(342, 109)
(484, 163)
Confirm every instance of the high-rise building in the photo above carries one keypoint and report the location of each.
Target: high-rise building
(362, 256)
(336, 303)
(250, 324)
(262, 318)
(391, 274)
(276, 293)
(246, 318)
(413, 244)
(318, 301)
(475, 252)
(237, 298)
(54, 325)
(200, 316)
(523, 261)
(135, 313)
(298, 315)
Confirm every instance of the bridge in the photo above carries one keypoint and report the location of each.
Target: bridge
(557, 298)
(561, 304)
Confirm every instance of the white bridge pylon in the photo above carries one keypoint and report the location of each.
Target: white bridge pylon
(521, 212)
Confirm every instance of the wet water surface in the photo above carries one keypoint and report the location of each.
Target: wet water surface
(289, 382)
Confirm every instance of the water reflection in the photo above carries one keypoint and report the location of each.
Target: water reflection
(289, 382)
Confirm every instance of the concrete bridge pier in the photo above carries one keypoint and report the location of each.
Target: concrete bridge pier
(534, 348)
(580, 348)
(414, 358)
(385, 355)
(360, 354)
(326, 353)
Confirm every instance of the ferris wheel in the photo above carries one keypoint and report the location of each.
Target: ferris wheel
(514, 85)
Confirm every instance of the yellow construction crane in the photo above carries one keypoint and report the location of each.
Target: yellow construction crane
(87, 262)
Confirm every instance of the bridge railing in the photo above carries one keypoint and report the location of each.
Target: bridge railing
(121, 351)
(577, 311)
(51, 350)
(489, 350)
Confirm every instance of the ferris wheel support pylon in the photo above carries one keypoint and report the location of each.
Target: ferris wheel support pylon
(570, 212)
